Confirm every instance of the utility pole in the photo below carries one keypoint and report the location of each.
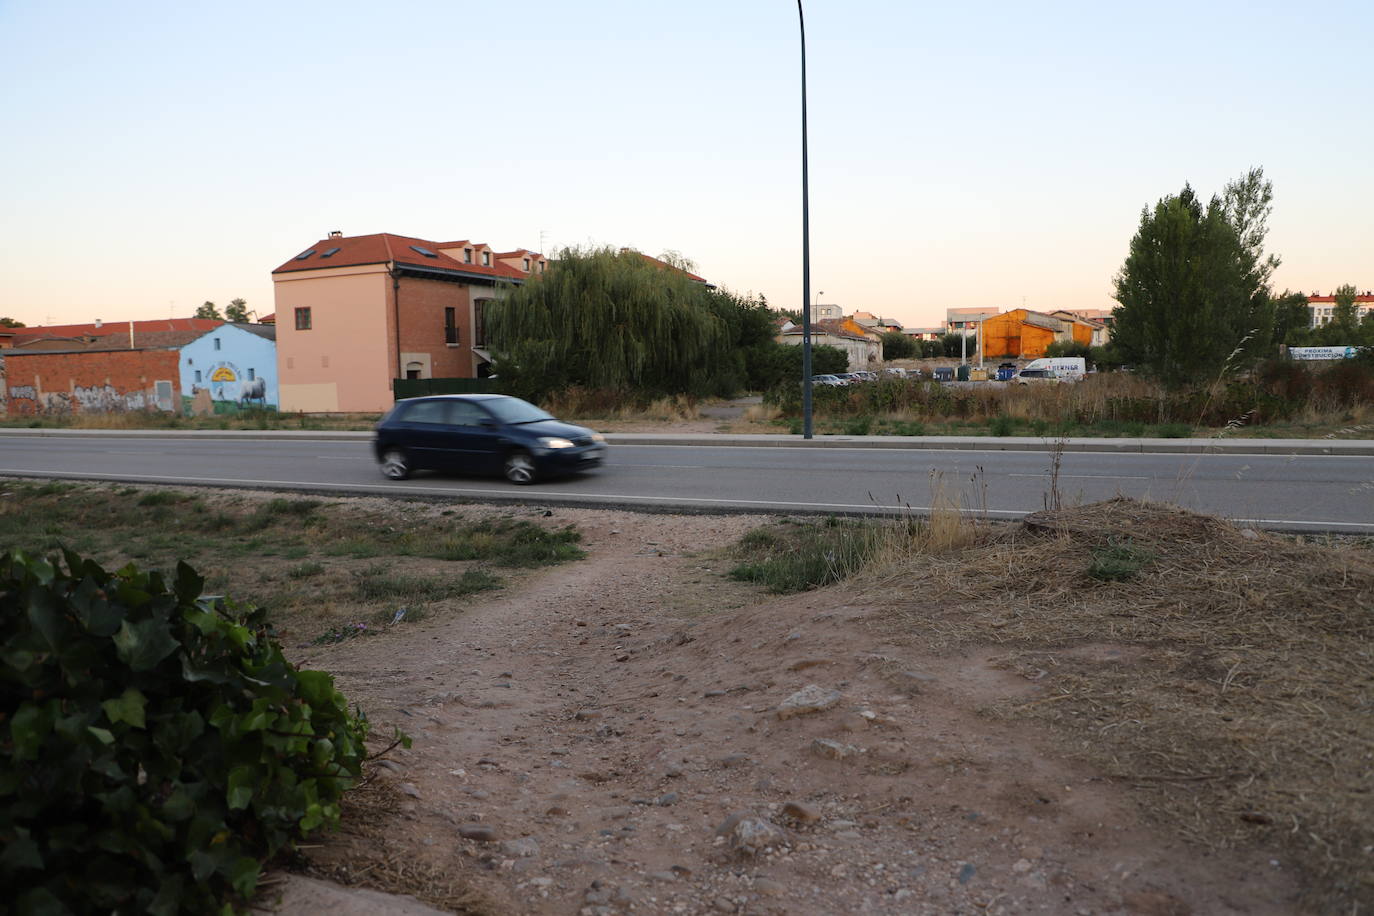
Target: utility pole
(806, 247)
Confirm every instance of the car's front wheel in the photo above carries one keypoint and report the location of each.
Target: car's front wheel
(519, 467)
(395, 464)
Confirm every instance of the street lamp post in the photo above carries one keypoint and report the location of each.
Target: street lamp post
(806, 246)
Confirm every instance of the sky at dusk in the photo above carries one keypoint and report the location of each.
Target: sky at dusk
(156, 155)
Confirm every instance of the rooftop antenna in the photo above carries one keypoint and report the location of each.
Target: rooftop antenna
(542, 234)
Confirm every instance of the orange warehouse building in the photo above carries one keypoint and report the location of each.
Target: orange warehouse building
(1019, 333)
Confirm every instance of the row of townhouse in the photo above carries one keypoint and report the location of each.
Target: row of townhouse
(352, 315)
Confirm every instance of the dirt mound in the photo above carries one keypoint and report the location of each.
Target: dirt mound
(1224, 674)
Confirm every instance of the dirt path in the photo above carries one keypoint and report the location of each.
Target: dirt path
(607, 738)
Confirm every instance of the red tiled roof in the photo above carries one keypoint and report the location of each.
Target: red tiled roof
(146, 340)
(109, 328)
(832, 326)
(666, 266)
(1363, 298)
(384, 248)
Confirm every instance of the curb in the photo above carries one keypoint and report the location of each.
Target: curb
(1334, 447)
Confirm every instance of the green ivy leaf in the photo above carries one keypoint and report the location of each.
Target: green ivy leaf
(240, 788)
(20, 852)
(103, 735)
(128, 708)
(29, 726)
(46, 616)
(189, 583)
(244, 876)
(143, 644)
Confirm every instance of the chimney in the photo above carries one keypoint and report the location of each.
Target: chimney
(336, 233)
(98, 323)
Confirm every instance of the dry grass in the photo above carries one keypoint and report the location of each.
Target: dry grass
(761, 413)
(580, 404)
(1230, 682)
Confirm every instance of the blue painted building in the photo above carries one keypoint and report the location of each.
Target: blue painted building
(230, 368)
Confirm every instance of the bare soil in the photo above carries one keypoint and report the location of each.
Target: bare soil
(605, 737)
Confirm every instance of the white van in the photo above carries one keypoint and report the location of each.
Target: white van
(1067, 368)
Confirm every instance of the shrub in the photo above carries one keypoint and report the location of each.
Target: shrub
(157, 746)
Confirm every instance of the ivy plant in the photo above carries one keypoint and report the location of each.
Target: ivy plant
(156, 748)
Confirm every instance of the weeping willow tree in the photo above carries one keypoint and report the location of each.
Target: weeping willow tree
(611, 320)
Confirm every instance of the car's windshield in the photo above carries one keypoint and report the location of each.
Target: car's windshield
(514, 410)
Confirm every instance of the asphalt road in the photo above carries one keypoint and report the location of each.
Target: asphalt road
(1299, 492)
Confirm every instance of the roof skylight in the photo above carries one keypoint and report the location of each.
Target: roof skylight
(305, 254)
(424, 251)
(330, 252)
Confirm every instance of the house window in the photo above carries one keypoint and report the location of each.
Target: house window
(479, 323)
(216, 343)
(486, 259)
(527, 265)
(467, 255)
(197, 376)
(541, 267)
(450, 325)
(252, 375)
(303, 319)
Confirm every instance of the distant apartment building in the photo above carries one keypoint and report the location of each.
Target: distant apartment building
(353, 313)
(1324, 307)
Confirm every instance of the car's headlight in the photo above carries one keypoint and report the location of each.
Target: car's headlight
(555, 442)
(597, 437)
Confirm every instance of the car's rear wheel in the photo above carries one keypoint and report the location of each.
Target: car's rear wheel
(395, 464)
(519, 467)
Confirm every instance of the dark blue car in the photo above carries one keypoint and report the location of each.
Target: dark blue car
(483, 434)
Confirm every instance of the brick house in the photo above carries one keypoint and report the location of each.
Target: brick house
(95, 374)
(96, 371)
(353, 313)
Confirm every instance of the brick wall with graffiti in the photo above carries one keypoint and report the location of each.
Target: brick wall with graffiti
(107, 381)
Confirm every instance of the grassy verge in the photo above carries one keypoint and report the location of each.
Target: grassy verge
(296, 557)
(155, 419)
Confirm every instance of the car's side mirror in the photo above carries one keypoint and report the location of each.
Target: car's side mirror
(487, 422)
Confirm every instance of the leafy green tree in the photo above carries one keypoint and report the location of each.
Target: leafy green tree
(8, 322)
(897, 345)
(236, 310)
(1191, 293)
(1345, 316)
(208, 310)
(615, 321)
(1292, 318)
(953, 345)
(1069, 348)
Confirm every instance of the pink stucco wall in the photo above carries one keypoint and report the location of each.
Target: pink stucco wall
(344, 362)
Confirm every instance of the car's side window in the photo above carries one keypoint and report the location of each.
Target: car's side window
(465, 414)
(425, 412)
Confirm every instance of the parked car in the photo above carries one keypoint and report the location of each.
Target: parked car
(828, 381)
(482, 433)
(1027, 376)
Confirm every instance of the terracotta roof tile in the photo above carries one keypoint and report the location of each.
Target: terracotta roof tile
(110, 328)
(383, 248)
